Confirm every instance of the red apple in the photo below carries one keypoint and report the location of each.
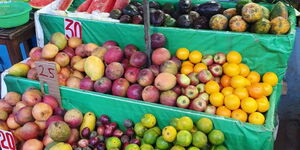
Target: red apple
(53, 119)
(79, 51)
(207, 60)
(114, 70)
(203, 96)
(183, 80)
(183, 101)
(168, 98)
(103, 85)
(150, 94)
(138, 59)
(135, 92)
(198, 104)
(210, 109)
(177, 89)
(129, 50)
(69, 51)
(131, 74)
(119, 87)
(216, 70)
(160, 55)
(110, 43)
(154, 69)
(205, 76)
(191, 92)
(177, 61)
(157, 40)
(194, 79)
(50, 100)
(125, 63)
(220, 58)
(86, 84)
(200, 88)
(145, 77)
(35, 53)
(113, 54)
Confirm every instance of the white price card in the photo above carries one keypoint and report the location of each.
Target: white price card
(73, 28)
(7, 141)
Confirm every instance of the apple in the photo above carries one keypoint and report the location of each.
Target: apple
(120, 87)
(205, 76)
(210, 109)
(183, 101)
(200, 87)
(198, 104)
(217, 79)
(168, 98)
(216, 70)
(203, 96)
(194, 79)
(191, 92)
(177, 89)
(129, 50)
(183, 80)
(135, 91)
(131, 74)
(103, 85)
(207, 60)
(220, 58)
(177, 61)
(150, 94)
(154, 69)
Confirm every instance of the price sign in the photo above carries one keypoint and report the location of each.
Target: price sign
(73, 28)
(7, 141)
(47, 74)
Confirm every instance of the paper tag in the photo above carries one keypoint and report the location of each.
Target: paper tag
(73, 28)
(7, 141)
(47, 74)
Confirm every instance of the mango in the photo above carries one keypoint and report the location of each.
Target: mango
(19, 70)
(94, 67)
(61, 146)
(80, 65)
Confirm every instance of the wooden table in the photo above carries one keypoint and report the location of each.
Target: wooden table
(12, 38)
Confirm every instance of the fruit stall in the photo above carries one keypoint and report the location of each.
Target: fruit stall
(213, 80)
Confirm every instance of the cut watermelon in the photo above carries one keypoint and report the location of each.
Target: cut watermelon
(101, 5)
(120, 4)
(38, 4)
(84, 6)
(64, 4)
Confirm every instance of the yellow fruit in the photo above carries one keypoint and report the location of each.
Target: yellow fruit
(239, 115)
(231, 69)
(244, 70)
(241, 92)
(186, 69)
(199, 67)
(89, 120)
(268, 89)
(232, 102)
(216, 99)
(227, 91)
(61, 146)
(19, 70)
(49, 51)
(234, 57)
(195, 56)
(238, 81)
(253, 77)
(256, 118)
(225, 81)
(263, 104)
(271, 78)
(94, 67)
(256, 90)
(187, 63)
(223, 111)
(169, 133)
(80, 65)
(182, 53)
(249, 105)
(211, 87)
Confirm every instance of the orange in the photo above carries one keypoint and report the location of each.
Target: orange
(253, 77)
(216, 99)
(241, 92)
(234, 57)
(244, 70)
(256, 90)
(225, 81)
(211, 87)
(231, 69)
(239, 115)
(195, 56)
(268, 89)
(256, 118)
(186, 69)
(182, 53)
(249, 105)
(227, 90)
(263, 104)
(238, 81)
(223, 111)
(232, 102)
(224, 64)
(271, 78)
(199, 67)
(187, 63)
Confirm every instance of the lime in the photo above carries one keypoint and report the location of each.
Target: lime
(195, 129)
(148, 120)
(162, 144)
(205, 125)
(173, 123)
(169, 133)
(216, 137)
(185, 123)
(132, 147)
(177, 147)
(157, 130)
(193, 148)
(146, 147)
(139, 129)
(219, 147)
(199, 139)
(113, 142)
(150, 137)
(184, 138)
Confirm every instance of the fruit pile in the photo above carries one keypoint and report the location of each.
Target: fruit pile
(106, 6)
(228, 85)
(209, 15)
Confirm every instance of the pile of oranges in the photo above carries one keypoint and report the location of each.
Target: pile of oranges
(241, 94)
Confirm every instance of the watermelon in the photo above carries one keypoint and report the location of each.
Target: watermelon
(101, 5)
(120, 4)
(84, 6)
(38, 4)
(64, 4)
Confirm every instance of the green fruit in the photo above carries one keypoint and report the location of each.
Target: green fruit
(113, 142)
(59, 131)
(19, 70)
(50, 145)
(279, 9)
(173, 123)
(157, 130)
(132, 147)
(170, 22)
(162, 144)
(148, 120)
(252, 12)
(240, 4)
(150, 137)
(146, 147)
(193, 148)
(262, 26)
(184, 138)
(169, 133)
(218, 22)
(139, 129)
(216, 137)
(219, 147)
(266, 12)
(199, 139)
(185, 123)
(177, 147)
(205, 125)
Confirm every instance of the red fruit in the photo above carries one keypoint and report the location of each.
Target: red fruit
(158, 40)
(24, 115)
(74, 136)
(32, 74)
(154, 69)
(129, 49)
(145, 77)
(135, 92)
(160, 55)
(31, 97)
(168, 98)
(100, 130)
(131, 74)
(79, 51)
(120, 4)
(198, 104)
(114, 70)
(73, 118)
(205, 76)
(42, 111)
(137, 19)
(150, 94)
(33, 144)
(129, 132)
(101, 5)
(110, 43)
(69, 51)
(35, 53)
(50, 100)
(5, 106)
(177, 89)
(104, 119)
(138, 59)
(84, 6)
(103, 85)
(118, 133)
(59, 111)
(177, 61)
(86, 84)
(53, 119)
(119, 87)
(113, 54)
(125, 63)
(30, 130)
